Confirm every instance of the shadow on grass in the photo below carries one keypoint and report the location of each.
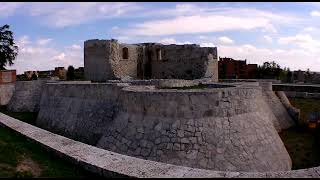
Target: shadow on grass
(14, 147)
(302, 143)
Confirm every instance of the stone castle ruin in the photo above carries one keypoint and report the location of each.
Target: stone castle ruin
(108, 59)
(172, 108)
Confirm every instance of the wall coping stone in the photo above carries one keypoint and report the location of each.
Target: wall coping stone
(106, 162)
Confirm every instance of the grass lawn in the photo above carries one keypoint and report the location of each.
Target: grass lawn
(306, 106)
(22, 158)
(302, 147)
(301, 142)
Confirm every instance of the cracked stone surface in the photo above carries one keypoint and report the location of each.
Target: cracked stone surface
(226, 129)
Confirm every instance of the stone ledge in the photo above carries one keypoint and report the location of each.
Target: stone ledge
(106, 162)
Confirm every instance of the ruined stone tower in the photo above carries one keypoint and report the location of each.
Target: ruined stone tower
(108, 59)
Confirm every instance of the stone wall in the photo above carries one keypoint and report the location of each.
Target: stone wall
(293, 111)
(96, 64)
(124, 67)
(185, 62)
(79, 110)
(217, 128)
(26, 96)
(110, 164)
(103, 60)
(6, 92)
(284, 119)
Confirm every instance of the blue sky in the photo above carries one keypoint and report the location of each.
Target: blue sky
(52, 34)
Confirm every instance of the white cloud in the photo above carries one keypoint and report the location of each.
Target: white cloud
(8, 8)
(315, 13)
(59, 57)
(268, 39)
(225, 40)
(303, 41)
(167, 41)
(22, 41)
(295, 58)
(198, 24)
(191, 18)
(308, 29)
(75, 47)
(44, 41)
(123, 38)
(33, 56)
(297, 39)
(207, 45)
(69, 14)
(115, 28)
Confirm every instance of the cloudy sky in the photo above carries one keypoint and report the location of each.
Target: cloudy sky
(52, 34)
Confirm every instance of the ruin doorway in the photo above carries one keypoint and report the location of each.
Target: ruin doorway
(140, 67)
(148, 66)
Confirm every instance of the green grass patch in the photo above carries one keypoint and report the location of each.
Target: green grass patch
(302, 147)
(302, 143)
(15, 147)
(306, 106)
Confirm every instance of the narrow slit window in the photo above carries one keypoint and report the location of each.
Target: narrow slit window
(125, 53)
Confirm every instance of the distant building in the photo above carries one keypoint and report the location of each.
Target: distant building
(28, 74)
(7, 76)
(45, 74)
(60, 72)
(304, 77)
(236, 69)
(299, 76)
(315, 77)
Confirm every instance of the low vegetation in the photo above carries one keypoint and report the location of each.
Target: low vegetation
(302, 143)
(22, 158)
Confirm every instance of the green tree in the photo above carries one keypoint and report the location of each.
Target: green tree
(307, 76)
(34, 76)
(289, 76)
(269, 70)
(8, 49)
(70, 73)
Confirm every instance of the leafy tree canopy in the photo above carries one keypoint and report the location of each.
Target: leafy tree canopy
(70, 73)
(8, 49)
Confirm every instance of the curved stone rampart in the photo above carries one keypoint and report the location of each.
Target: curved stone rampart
(79, 110)
(284, 119)
(213, 128)
(107, 163)
(26, 96)
(294, 112)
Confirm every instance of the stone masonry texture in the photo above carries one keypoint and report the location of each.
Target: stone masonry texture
(6, 92)
(26, 96)
(222, 128)
(110, 164)
(103, 60)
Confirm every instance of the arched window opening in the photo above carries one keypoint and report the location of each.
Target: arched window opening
(125, 53)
